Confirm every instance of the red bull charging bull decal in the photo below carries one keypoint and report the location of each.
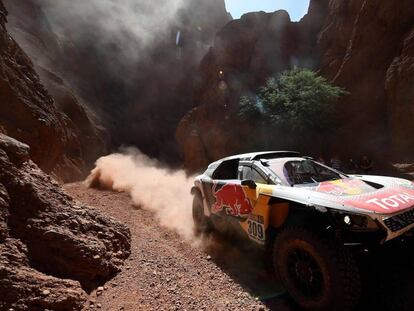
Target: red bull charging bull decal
(231, 199)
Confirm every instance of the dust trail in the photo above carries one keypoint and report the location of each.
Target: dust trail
(165, 192)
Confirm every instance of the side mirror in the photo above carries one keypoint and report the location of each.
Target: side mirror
(249, 183)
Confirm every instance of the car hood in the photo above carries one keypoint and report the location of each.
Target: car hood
(369, 194)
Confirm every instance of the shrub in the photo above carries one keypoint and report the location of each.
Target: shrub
(297, 103)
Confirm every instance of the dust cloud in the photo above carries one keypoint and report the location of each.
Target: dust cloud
(165, 192)
(132, 25)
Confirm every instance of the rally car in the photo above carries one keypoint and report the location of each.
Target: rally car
(307, 216)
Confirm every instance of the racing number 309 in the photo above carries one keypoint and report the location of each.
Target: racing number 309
(256, 230)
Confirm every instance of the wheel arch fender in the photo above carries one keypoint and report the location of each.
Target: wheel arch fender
(284, 213)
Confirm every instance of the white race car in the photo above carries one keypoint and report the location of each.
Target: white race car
(306, 215)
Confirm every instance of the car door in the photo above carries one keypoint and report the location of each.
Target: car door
(257, 221)
(226, 193)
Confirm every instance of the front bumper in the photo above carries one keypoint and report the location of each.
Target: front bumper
(397, 224)
(375, 228)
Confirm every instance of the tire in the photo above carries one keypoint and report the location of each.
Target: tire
(317, 274)
(202, 223)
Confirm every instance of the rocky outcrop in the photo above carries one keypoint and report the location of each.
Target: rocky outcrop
(245, 53)
(85, 139)
(29, 113)
(51, 247)
(24, 288)
(365, 47)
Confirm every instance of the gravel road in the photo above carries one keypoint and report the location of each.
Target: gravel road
(166, 273)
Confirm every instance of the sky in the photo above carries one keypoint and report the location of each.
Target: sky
(296, 8)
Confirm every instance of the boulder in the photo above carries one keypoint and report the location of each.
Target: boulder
(52, 248)
(25, 288)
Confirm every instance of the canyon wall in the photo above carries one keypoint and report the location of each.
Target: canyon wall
(29, 113)
(364, 46)
(199, 63)
(245, 53)
(129, 69)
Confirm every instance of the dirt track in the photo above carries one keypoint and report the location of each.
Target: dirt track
(165, 273)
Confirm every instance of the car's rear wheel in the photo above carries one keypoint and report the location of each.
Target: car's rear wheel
(202, 223)
(317, 274)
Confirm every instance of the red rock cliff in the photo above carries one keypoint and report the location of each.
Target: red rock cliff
(245, 53)
(30, 114)
(29, 26)
(364, 46)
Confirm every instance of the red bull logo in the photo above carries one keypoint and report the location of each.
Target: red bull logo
(232, 200)
(344, 187)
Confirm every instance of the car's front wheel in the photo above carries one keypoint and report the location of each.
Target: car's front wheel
(317, 274)
(202, 223)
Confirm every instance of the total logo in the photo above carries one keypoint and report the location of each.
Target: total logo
(395, 201)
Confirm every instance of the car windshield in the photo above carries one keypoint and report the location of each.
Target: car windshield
(303, 172)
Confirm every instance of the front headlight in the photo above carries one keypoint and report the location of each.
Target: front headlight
(357, 222)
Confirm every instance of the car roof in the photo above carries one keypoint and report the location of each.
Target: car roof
(286, 159)
(262, 155)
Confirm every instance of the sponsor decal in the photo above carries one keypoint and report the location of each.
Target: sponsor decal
(256, 229)
(344, 187)
(387, 202)
(393, 201)
(231, 199)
